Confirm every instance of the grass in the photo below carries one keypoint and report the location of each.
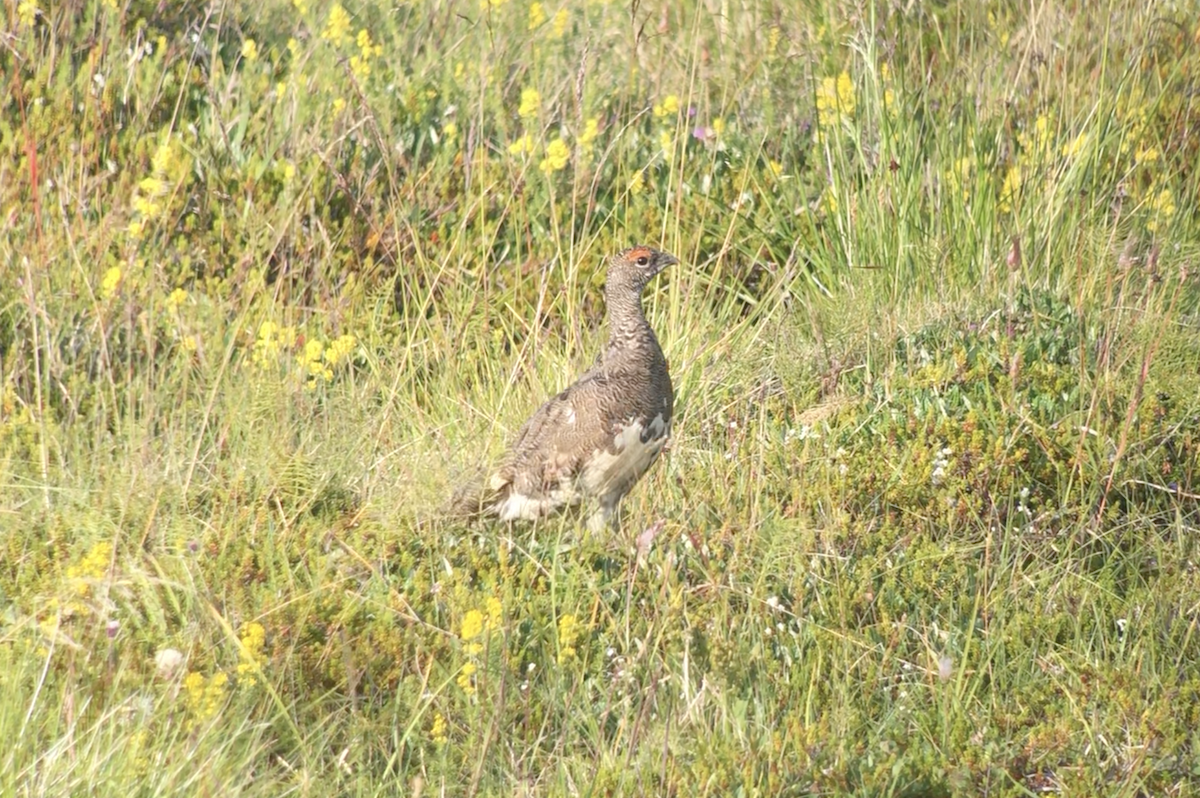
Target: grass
(276, 276)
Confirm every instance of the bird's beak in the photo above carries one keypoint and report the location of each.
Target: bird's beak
(668, 260)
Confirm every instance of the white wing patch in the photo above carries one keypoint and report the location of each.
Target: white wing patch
(516, 507)
(627, 459)
(607, 474)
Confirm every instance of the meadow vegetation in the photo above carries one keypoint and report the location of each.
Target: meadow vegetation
(275, 275)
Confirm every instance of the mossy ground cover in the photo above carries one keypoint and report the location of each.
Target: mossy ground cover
(276, 275)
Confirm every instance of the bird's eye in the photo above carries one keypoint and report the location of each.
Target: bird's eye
(642, 261)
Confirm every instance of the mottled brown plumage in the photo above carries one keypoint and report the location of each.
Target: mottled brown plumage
(591, 443)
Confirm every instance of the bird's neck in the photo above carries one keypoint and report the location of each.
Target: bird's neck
(627, 325)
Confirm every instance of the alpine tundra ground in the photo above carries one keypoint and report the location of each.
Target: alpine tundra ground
(277, 275)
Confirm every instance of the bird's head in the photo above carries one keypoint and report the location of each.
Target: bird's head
(635, 266)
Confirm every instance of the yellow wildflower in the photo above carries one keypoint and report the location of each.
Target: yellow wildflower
(272, 339)
(960, 176)
(144, 205)
(668, 107)
(293, 46)
(591, 129)
(568, 633)
(845, 93)
(827, 112)
(137, 750)
(339, 348)
(250, 654)
(829, 201)
(450, 131)
(531, 101)
(718, 126)
(339, 105)
(311, 361)
(163, 159)
(1011, 188)
(193, 685)
(94, 565)
(835, 99)
(437, 730)
(464, 677)
(111, 281)
(1041, 127)
(889, 95)
(560, 22)
(1002, 36)
(267, 330)
(27, 12)
(176, 298)
(301, 6)
(1075, 146)
(522, 145)
(216, 690)
(1146, 154)
(773, 36)
(360, 67)
(337, 25)
(95, 562)
(360, 64)
(472, 625)
(495, 613)
(166, 169)
(151, 186)
(250, 50)
(1035, 143)
(205, 696)
(637, 183)
(557, 155)
(537, 16)
(665, 140)
(1162, 204)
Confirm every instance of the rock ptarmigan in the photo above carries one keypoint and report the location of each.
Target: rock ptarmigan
(589, 445)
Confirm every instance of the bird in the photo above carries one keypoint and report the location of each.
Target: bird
(585, 448)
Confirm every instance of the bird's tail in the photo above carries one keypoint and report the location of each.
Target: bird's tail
(469, 501)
